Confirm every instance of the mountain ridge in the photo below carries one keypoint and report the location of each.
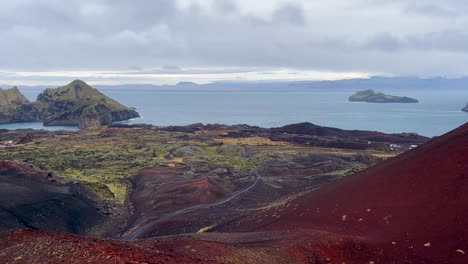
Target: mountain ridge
(355, 84)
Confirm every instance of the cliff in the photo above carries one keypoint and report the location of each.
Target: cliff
(14, 107)
(370, 96)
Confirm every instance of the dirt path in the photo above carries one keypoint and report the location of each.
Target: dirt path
(134, 234)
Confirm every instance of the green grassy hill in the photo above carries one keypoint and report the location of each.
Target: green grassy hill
(14, 107)
(80, 104)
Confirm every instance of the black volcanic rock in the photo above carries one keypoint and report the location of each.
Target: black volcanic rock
(35, 199)
(341, 134)
(79, 104)
(370, 96)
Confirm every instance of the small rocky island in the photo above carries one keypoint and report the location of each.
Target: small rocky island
(370, 96)
(76, 104)
(465, 109)
(14, 107)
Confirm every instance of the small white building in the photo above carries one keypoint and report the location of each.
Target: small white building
(395, 146)
(7, 143)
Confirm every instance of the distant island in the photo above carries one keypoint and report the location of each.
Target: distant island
(14, 107)
(370, 96)
(465, 109)
(74, 104)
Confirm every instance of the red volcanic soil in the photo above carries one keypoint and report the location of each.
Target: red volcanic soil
(32, 246)
(162, 190)
(167, 186)
(27, 246)
(410, 209)
(164, 187)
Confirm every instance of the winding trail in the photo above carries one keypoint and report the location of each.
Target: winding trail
(134, 234)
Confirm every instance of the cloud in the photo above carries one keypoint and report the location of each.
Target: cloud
(225, 6)
(290, 13)
(430, 10)
(171, 68)
(400, 37)
(384, 42)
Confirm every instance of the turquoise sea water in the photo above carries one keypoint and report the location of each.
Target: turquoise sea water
(438, 111)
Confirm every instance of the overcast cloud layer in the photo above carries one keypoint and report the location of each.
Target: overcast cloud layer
(160, 41)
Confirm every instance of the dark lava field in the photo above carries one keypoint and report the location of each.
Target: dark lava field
(232, 194)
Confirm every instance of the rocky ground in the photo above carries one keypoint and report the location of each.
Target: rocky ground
(133, 182)
(129, 177)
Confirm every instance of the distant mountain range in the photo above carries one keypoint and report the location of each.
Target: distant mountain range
(347, 84)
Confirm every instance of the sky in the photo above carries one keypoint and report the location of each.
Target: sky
(168, 41)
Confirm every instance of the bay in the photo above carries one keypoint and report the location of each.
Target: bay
(437, 113)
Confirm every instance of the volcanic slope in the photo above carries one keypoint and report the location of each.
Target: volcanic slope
(37, 200)
(409, 209)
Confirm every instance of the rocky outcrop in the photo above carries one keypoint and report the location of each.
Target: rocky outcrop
(95, 116)
(123, 114)
(14, 107)
(76, 104)
(370, 96)
(79, 104)
(465, 109)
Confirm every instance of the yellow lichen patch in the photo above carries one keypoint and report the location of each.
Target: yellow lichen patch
(428, 244)
(205, 229)
(460, 251)
(178, 160)
(282, 202)
(175, 160)
(119, 190)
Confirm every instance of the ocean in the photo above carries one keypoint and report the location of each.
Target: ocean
(437, 113)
